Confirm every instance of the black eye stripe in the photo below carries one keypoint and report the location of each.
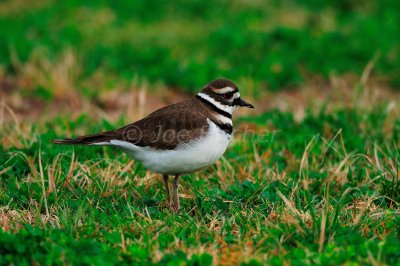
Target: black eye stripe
(229, 95)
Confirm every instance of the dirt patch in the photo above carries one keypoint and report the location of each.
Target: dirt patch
(138, 102)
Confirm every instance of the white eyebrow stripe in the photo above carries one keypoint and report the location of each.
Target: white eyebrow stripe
(223, 107)
(224, 90)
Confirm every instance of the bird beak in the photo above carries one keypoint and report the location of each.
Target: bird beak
(242, 103)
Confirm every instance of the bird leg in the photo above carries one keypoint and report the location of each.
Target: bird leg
(165, 177)
(176, 205)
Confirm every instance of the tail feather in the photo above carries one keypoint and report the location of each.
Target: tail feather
(101, 138)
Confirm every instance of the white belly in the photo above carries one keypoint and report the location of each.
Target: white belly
(186, 158)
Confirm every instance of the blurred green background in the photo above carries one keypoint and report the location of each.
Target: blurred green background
(183, 44)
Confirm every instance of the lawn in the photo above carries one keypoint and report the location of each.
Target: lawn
(311, 176)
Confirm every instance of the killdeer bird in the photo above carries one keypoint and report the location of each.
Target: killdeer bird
(179, 138)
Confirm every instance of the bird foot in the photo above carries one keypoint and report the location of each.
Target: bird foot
(174, 208)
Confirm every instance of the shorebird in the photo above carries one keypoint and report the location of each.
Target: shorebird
(179, 138)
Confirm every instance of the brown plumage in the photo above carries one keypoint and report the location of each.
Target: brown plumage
(162, 129)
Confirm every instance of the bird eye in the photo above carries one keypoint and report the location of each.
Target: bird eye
(228, 95)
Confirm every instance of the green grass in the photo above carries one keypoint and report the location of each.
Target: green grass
(320, 191)
(182, 44)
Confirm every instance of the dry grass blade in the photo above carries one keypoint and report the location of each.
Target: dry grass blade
(44, 196)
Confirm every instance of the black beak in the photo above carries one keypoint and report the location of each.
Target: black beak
(242, 103)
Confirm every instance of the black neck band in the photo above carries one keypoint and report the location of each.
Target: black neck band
(225, 127)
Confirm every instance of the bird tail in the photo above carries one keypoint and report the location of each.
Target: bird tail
(96, 139)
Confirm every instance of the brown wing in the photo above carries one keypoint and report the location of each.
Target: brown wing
(162, 129)
(167, 127)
